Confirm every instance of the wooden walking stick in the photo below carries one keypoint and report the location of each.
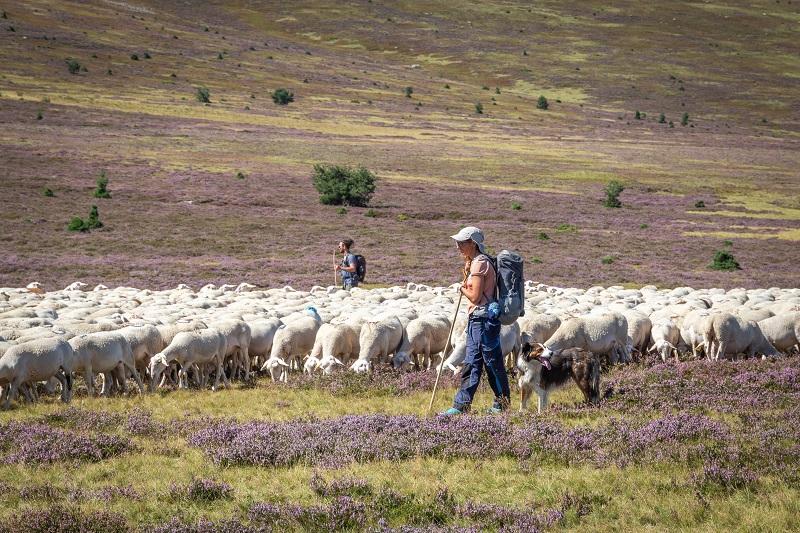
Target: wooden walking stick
(446, 352)
(334, 268)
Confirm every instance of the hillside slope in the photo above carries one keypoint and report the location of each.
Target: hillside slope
(178, 213)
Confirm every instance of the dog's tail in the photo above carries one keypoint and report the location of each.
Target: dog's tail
(594, 381)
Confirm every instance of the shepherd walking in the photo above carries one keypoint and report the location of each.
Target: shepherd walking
(348, 268)
(483, 327)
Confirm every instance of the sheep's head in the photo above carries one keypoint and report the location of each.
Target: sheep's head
(360, 366)
(401, 360)
(276, 367)
(158, 363)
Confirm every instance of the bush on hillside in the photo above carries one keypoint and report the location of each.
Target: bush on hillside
(613, 189)
(342, 185)
(102, 186)
(73, 66)
(93, 222)
(282, 96)
(724, 260)
(203, 95)
(542, 103)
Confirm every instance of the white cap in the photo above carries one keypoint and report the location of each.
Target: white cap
(471, 233)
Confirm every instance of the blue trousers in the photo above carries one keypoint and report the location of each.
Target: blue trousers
(483, 349)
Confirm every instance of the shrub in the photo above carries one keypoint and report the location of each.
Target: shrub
(371, 213)
(341, 211)
(479, 108)
(607, 260)
(408, 91)
(339, 185)
(39, 115)
(48, 192)
(699, 204)
(516, 206)
(685, 119)
(543, 236)
(536, 261)
(446, 85)
(727, 243)
(102, 183)
(613, 189)
(203, 95)
(73, 66)
(93, 222)
(542, 103)
(135, 57)
(147, 56)
(240, 175)
(671, 124)
(402, 217)
(203, 490)
(219, 55)
(662, 119)
(644, 226)
(637, 115)
(566, 228)
(282, 96)
(725, 261)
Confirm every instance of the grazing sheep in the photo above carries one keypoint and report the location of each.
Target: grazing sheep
(237, 334)
(510, 344)
(580, 365)
(603, 334)
(693, 330)
(424, 336)
(145, 341)
(665, 335)
(262, 334)
(192, 349)
(782, 331)
(103, 352)
(729, 334)
(537, 328)
(33, 361)
(291, 343)
(639, 326)
(341, 345)
(377, 341)
(313, 359)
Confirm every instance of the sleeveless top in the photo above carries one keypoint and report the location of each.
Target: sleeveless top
(481, 266)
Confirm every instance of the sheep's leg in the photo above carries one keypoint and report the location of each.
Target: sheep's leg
(720, 351)
(66, 386)
(88, 377)
(136, 377)
(26, 392)
(246, 361)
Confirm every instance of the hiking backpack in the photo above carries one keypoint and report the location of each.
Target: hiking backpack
(510, 290)
(361, 268)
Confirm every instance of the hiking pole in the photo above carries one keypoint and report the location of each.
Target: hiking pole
(446, 352)
(334, 268)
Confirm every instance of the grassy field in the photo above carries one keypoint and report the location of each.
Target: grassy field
(715, 453)
(172, 161)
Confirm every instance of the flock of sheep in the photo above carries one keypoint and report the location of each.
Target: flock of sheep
(180, 337)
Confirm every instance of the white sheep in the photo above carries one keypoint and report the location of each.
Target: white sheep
(192, 349)
(728, 334)
(424, 336)
(341, 345)
(104, 352)
(377, 341)
(262, 334)
(510, 345)
(604, 334)
(665, 335)
(34, 361)
(782, 331)
(291, 343)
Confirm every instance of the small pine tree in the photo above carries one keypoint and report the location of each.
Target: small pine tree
(613, 189)
(135, 57)
(542, 103)
(102, 183)
(479, 108)
(240, 175)
(408, 91)
(699, 204)
(73, 66)
(638, 115)
(282, 96)
(662, 119)
(39, 115)
(516, 206)
(48, 192)
(93, 222)
(339, 185)
(685, 119)
(203, 95)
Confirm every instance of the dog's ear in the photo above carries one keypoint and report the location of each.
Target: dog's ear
(527, 348)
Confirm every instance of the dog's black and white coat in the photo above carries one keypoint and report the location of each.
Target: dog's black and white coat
(579, 365)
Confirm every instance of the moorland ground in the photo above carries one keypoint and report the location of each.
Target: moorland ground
(178, 212)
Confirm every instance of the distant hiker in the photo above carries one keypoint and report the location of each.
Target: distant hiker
(483, 326)
(348, 268)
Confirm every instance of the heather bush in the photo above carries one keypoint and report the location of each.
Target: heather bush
(724, 260)
(613, 189)
(339, 185)
(64, 520)
(542, 103)
(203, 95)
(35, 443)
(101, 191)
(282, 96)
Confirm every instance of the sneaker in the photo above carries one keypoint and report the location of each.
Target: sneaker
(452, 412)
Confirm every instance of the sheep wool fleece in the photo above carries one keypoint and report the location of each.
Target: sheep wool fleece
(483, 349)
